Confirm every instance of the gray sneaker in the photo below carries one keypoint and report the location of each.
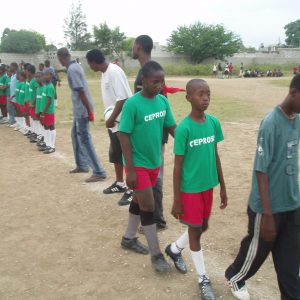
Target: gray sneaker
(160, 264)
(206, 289)
(134, 245)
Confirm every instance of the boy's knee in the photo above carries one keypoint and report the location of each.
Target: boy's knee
(205, 226)
(147, 218)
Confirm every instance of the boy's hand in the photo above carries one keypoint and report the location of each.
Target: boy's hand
(110, 123)
(177, 209)
(91, 116)
(42, 116)
(131, 179)
(224, 199)
(267, 228)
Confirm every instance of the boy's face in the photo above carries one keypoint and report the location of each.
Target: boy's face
(295, 95)
(47, 76)
(154, 82)
(93, 66)
(39, 79)
(62, 60)
(199, 96)
(41, 67)
(135, 51)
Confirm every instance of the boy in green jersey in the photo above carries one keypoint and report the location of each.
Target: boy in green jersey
(3, 95)
(274, 203)
(48, 114)
(197, 170)
(20, 99)
(144, 116)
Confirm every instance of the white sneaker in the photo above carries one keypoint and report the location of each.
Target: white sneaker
(3, 121)
(17, 127)
(241, 294)
(22, 130)
(13, 125)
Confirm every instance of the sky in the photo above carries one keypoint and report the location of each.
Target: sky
(255, 21)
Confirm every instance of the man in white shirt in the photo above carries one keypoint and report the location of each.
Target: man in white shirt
(115, 91)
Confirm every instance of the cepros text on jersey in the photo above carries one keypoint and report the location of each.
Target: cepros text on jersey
(156, 115)
(202, 141)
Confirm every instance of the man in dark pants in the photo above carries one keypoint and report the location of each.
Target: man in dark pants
(274, 203)
(141, 51)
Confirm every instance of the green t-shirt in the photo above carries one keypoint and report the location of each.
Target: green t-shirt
(33, 85)
(18, 84)
(22, 88)
(27, 92)
(196, 142)
(49, 92)
(38, 102)
(143, 119)
(277, 156)
(8, 79)
(3, 79)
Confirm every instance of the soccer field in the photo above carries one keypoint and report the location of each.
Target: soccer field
(60, 238)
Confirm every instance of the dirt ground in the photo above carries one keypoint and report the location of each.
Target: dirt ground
(60, 238)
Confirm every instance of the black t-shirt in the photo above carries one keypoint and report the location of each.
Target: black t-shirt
(137, 88)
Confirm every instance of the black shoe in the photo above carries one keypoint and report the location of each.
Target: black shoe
(114, 188)
(126, 198)
(134, 245)
(160, 264)
(49, 151)
(78, 170)
(161, 227)
(43, 148)
(206, 290)
(177, 259)
(28, 133)
(40, 144)
(33, 140)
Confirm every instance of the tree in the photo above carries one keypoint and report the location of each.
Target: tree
(111, 41)
(292, 32)
(75, 29)
(200, 41)
(22, 41)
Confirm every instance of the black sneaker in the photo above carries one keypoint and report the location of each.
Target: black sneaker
(49, 151)
(177, 259)
(160, 264)
(114, 188)
(206, 289)
(126, 198)
(134, 245)
(43, 148)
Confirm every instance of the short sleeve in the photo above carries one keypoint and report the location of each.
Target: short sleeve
(180, 140)
(127, 117)
(76, 79)
(121, 86)
(50, 92)
(265, 148)
(169, 118)
(219, 132)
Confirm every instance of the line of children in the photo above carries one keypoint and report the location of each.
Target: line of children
(32, 102)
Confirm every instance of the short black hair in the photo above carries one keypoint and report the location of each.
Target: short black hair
(63, 52)
(190, 86)
(41, 65)
(2, 68)
(47, 63)
(145, 42)
(31, 69)
(15, 66)
(295, 83)
(96, 56)
(150, 67)
(26, 65)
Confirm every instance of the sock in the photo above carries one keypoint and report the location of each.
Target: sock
(181, 243)
(48, 138)
(53, 138)
(18, 120)
(151, 236)
(198, 260)
(23, 123)
(133, 224)
(120, 184)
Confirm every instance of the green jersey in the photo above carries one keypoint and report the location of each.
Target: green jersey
(8, 78)
(196, 143)
(18, 84)
(38, 102)
(144, 119)
(277, 156)
(3, 79)
(22, 88)
(27, 93)
(33, 85)
(49, 92)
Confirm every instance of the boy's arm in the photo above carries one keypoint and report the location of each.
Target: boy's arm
(223, 193)
(172, 130)
(177, 209)
(47, 105)
(268, 229)
(86, 103)
(34, 101)
(127, 152)
(110, 123)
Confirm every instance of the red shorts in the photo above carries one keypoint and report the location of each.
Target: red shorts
(32, 113)
(49, 119)
(26, 107)
(196, 207)
(21, 108)
(146, 178)
(3, 100)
